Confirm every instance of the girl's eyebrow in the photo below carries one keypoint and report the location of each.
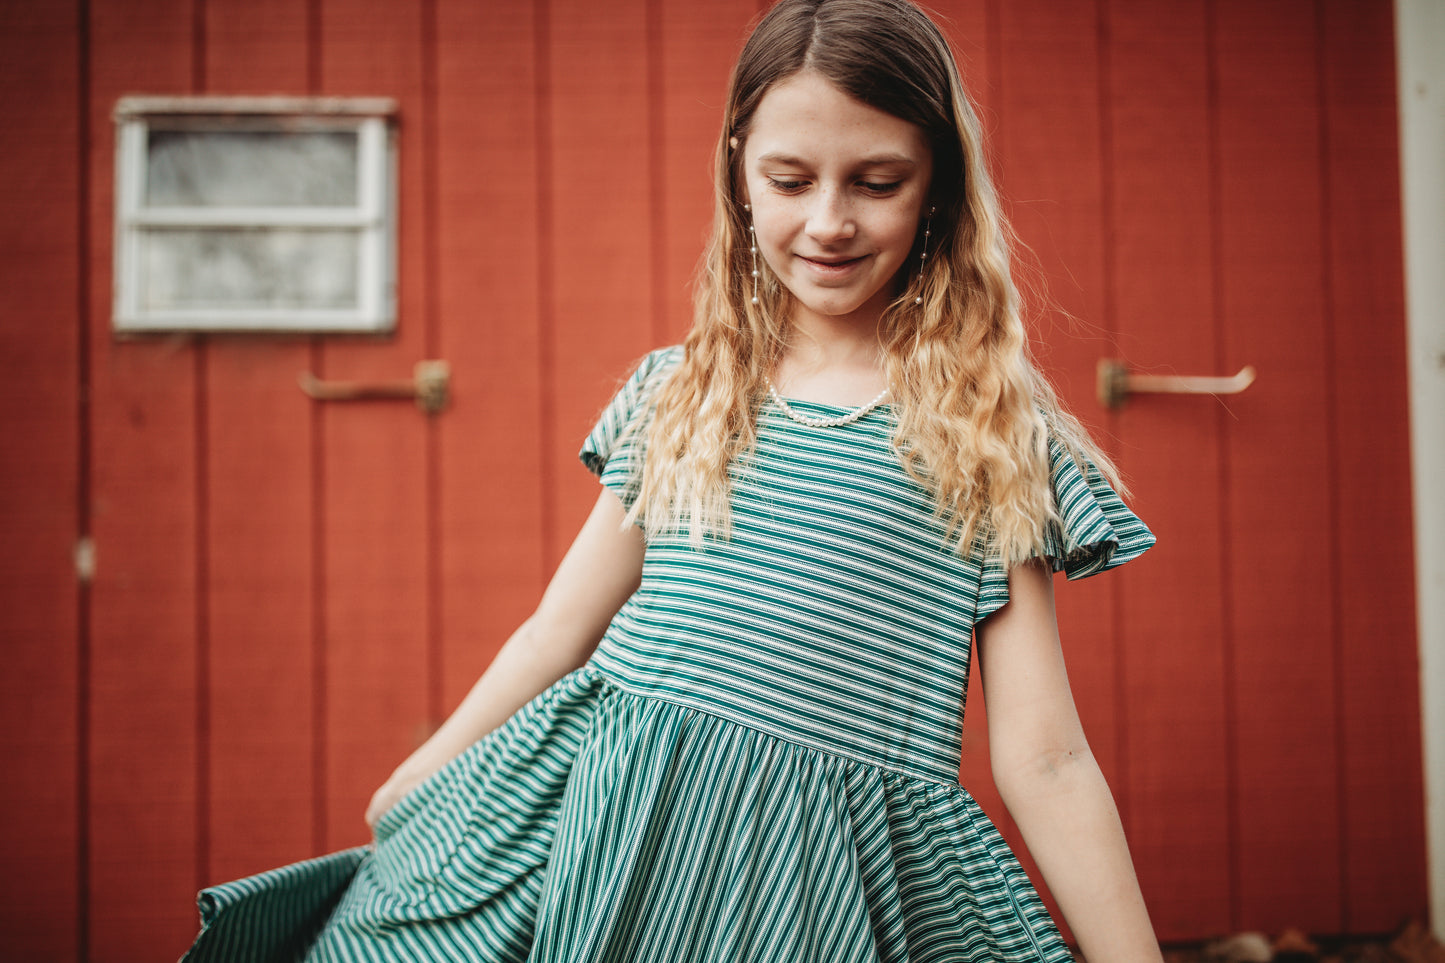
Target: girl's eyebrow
(875, 160)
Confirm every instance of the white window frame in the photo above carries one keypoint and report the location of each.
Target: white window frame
(374, 217)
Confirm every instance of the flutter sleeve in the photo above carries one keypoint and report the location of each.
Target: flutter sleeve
(1095, 532)
(614, 449)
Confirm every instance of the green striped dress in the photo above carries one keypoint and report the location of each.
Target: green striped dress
(760, 762)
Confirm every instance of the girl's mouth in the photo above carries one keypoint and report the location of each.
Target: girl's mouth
(832, 267)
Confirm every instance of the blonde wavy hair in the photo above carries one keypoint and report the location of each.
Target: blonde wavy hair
(974, 413)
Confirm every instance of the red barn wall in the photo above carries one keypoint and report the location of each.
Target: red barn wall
(288, 595)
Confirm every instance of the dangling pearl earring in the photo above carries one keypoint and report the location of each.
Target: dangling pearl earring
(923, 257)
(753, 247)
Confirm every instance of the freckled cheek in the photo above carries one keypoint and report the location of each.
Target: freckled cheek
(773, 238)
(889, 246)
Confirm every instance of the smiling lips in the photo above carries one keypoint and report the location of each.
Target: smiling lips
(832, 267)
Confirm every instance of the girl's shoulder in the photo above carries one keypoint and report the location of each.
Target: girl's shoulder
(639, 389)
(657, 364)
(638, 393)
(620, 426)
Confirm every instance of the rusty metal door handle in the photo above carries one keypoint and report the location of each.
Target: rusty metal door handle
(1116, 383)
(430, 386)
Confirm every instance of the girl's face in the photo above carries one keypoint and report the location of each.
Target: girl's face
(838, 190)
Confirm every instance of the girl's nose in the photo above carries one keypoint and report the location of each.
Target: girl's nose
(830, 217)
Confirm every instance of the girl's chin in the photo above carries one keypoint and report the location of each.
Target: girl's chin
(841, 302)
(840, 309)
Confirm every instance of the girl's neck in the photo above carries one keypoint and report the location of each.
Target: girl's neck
(832, 361)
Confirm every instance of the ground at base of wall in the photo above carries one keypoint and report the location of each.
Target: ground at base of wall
(1413, 943)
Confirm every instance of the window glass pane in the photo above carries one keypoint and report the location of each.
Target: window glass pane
(251, 168)
(249, 268)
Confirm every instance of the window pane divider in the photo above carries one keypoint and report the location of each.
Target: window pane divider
(318, 217)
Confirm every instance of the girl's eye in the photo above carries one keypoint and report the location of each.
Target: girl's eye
(791, 186)
(786, 186)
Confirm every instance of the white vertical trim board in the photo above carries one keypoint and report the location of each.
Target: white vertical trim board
(1420, 58)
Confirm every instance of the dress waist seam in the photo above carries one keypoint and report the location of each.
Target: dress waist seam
(620, 685)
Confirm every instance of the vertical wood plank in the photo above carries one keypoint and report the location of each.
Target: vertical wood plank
(256, 48)
(375, 466)
(40, 422)
(1049, 159)
(699, 44)
(143, 746)
(1280, 540)
(600, 222)
(1384, 845)
(488, 292)
(965, 23)
(258, 470)
(1176, 793)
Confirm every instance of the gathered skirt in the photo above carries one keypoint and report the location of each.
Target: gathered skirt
(599, 825)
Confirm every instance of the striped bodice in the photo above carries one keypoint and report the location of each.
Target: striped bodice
(835, 615)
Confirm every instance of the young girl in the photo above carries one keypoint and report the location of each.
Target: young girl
(731, 730)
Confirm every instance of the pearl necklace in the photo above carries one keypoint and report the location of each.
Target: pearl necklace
(838, 422)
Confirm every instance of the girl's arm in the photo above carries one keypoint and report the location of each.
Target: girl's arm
(601, 569)
(1049, 779)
